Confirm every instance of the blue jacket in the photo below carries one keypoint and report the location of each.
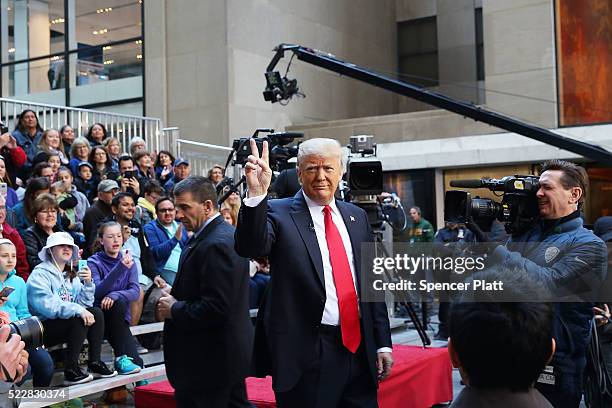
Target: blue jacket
(161, 243)
(114, 280)
(17, 304)
(561, 258)
(51, 295)
(29, 146)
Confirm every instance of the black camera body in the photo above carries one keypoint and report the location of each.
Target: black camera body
(518, 209)
(31, 331)
(279, 151)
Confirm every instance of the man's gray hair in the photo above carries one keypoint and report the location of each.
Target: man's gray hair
(201, 189)
(320, 147)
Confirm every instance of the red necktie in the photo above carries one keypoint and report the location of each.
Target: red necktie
(343, 279)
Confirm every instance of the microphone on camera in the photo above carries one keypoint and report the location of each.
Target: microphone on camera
(467, 183)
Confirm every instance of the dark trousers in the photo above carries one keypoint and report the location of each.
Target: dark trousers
(117, 332)
(443, 315)
(234, 396)
(567, 390)
(73, 332)
(337, 378)
(42, 367)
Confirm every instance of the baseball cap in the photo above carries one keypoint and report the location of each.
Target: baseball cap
(180, 161)
(106, 186)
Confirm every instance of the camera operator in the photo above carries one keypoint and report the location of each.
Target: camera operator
(558, 251)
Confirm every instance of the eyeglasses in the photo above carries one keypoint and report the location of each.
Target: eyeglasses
(165, 210)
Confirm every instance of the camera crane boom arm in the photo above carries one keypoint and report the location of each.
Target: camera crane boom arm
(331, 63)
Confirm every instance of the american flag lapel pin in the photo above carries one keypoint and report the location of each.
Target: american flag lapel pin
(352, 218)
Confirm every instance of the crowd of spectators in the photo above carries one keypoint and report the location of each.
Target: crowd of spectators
(65, 198)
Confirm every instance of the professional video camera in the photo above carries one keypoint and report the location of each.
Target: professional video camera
(518, 208)
(278, 143)
(364, 185)
(279, 154)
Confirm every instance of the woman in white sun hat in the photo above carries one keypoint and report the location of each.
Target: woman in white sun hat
(63, 302)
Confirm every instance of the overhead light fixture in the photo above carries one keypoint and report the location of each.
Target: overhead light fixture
(138, 56)
(11, 50)
(108, 62)
(57, 20)
(138, 41)
(55, 58)
(100, 32)
(107, 47)
(104, 10)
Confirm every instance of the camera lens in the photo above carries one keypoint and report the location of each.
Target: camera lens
(30, 330)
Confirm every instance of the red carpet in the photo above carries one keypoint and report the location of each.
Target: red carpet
(420, 379)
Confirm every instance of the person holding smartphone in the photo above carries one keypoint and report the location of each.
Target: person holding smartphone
(14, 301)
(63, 302)
(116, 278)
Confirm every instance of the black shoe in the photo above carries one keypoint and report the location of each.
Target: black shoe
(441, 336)
(75, 375)
(101, 370)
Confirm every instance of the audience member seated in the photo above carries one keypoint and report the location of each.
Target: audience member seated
(145, 210)
(163, 166)
(10, 233)
(96, 134)
(66, 212)
(55, 162)
(79, 152)
(51, 142)
(113, 147)
(43, 169)
(259, 273)
(215, 174)
(500, 350)
(100, 210)
(116, 279)
(135, 241)
(23, 209)
(11, 195)
(67, 134)
(13, 156)
(27, 134)
(143, 164)
(167, 238)
(227, 215)
(102, 165)
(233, 204)
(127, 177)
(16, 306)
(181, 171)
(44, 214)
(137, 143)
(63, 302)
(65, 176)
(84, 180)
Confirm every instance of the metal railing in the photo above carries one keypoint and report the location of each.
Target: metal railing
(202, 156)
(122, 126)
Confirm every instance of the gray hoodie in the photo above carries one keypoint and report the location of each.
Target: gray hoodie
(51, 295)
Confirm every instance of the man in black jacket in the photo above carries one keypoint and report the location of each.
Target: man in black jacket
(208, 333)
(99, 211)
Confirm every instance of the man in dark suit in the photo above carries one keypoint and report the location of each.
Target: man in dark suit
(208, 333)
(323, 345)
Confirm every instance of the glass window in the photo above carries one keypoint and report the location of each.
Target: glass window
(106, 73)
(104, 21)
(34, 28)
(41, 80)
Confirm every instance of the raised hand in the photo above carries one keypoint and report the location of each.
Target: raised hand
(257, 170)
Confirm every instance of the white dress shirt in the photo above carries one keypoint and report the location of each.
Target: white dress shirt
(331, 313)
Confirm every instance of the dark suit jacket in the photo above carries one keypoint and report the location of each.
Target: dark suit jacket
(289, 319)
(208, 341)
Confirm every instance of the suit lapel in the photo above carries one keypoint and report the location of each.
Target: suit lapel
(193, 242)
(303, 222)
